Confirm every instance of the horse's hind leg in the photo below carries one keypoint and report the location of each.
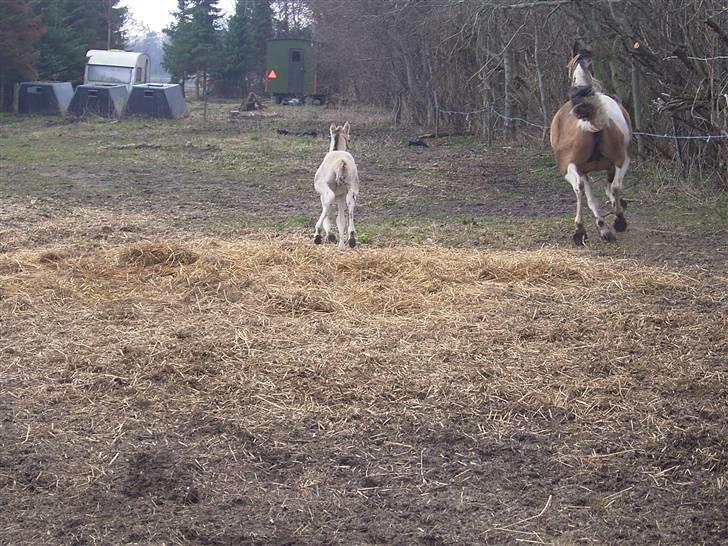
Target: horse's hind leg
(327, 199)
(573, 177)
(351, 204)
(341, 221)
(608, 189)
(605, 230)
(620, 224)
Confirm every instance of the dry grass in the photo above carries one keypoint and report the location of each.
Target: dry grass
(173, 370)
(361, 385)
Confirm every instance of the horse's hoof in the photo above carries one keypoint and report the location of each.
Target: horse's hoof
(331, 238)
(609, 237)
(620, 224)
(623, 203)
(317, 239)
(352, 241)
(580, 238)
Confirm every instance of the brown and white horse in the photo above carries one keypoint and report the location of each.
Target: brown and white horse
(337, 181)
(591, 133)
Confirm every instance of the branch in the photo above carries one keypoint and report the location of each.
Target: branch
(529, 5)
(713, 25)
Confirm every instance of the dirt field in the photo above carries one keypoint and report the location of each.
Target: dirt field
(179, 364)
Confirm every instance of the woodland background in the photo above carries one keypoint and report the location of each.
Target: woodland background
(494, 63)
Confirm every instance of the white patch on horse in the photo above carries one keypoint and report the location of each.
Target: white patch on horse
(614, 112)
(580, 77)
(586, 125)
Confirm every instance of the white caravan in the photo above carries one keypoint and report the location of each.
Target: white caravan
(116, 67)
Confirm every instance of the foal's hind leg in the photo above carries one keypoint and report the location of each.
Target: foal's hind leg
(341, 221)
(573, 177)
(620, 224)
(351, 203)
(327, 199)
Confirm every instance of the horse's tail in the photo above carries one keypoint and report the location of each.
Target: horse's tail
(587, 107)
(340, 171)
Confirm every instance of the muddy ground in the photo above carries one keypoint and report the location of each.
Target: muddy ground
(179, 364)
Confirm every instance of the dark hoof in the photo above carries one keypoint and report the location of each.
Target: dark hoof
(608, 237)
(623, 203)
(317, 239)
(331, 238)
(580, 237)
(620, 224)
(352, 241)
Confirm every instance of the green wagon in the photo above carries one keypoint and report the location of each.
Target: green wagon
(291, 71)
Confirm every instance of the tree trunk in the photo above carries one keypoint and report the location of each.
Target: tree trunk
(2, 93)
(636, 104)
(204, 94)
(433, 113)
(411, 84)
(508, 66)
(109, 5)
(397, 111)
(545, 99)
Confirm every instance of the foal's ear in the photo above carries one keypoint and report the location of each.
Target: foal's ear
(332, 129)
(346, 128)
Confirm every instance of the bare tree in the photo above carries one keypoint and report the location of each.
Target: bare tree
(426, 59)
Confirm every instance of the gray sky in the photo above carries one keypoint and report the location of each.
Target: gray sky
(156, 14)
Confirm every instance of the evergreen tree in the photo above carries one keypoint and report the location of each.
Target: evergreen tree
(61, 52)
(178, 48)
(262, 24)
(206, 40)
(98, 23)
(74, 27)
(194, 40)
(20, 30)
(239, 55)
(205, 34)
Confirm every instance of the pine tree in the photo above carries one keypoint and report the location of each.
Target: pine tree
(262, 24)
(195, 40)
(61, 52)
(98, 23)
(206, 40)
(177, 49)
(74, 27)
(239, 55)
(20, 31)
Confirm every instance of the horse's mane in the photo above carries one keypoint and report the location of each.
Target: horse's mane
(572, 65)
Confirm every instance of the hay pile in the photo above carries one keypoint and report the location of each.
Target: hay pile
(290, 371)
(382, 282)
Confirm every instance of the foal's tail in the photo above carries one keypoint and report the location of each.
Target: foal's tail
(340, 171)
(587, 107)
